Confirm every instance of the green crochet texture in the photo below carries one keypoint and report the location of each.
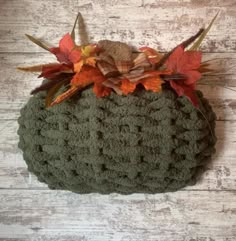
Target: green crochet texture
(142, 143)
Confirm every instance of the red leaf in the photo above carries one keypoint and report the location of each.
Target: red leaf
(190, 60)
(186, 90)
(185, 63)
(67, 52)
(191, 95)
(177, 87)
(61, 57)
(174, 58)
(55, 69)
(182, 61)
(75, 55)
(66, 44)
(192, 76)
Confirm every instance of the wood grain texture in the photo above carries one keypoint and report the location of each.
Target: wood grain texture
(195, 216)
(157, 23)
(29, 211)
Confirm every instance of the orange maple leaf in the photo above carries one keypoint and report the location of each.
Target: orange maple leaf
(90, 75)
(86, 76)
(149, 83)
(82, 79)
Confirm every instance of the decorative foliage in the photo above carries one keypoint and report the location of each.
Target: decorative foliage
(186, 63)
(197, 44)
(115, 66)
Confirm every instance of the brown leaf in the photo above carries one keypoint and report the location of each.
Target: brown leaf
(34, 68)
(50, 83)
(51, 92)
(66, 95)
(38, 42)
(73, 30)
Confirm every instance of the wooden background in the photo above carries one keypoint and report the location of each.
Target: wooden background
(29, 211)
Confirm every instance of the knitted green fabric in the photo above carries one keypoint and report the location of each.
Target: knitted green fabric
(143, 143)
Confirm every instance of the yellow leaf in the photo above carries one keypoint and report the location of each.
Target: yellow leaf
(87, 50)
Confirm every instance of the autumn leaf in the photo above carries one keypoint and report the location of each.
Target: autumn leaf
(101, 90)
(34, 68)
(153, 56)
(66, 95)
(50, 71)
(205, 68)
(89, 50)
(186, 63)
(87, 57)
(37, 42)
(67, 52)
(75, 23)
(87, 76)
(197, 44)
(78, 66)
(150, 83)
(91, 61)
(49, 84)
(127, 86)
(82, 79)
(52, 91)
(184, 44)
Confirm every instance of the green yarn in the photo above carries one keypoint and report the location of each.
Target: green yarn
(142, 143)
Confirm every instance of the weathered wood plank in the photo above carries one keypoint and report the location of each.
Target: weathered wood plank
(52, 215)
(221, 173)
(140, 22)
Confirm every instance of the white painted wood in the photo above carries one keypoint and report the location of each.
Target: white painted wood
(52, 215)
(157, 23)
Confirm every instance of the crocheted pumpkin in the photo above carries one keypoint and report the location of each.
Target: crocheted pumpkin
(144, 142)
